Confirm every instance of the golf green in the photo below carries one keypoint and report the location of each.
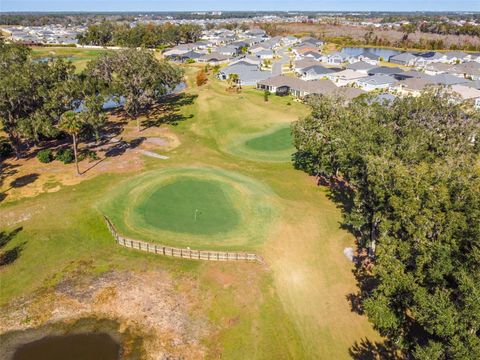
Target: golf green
(202, 208)
(190, 205)
(276, 141)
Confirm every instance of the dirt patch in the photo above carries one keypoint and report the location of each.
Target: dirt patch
(28, 177)
(145, 303)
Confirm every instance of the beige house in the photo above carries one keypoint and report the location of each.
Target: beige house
(345, 77)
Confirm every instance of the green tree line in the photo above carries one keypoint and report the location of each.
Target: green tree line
(141, 35)
(409, 179)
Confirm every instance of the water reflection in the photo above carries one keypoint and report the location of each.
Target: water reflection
(72, 347)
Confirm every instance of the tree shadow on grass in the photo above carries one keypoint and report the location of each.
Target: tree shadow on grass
(120, 147)
(171, 119)
(167, 111)
(9, 256)
(368, 350)
(24, 180)
(19, 182)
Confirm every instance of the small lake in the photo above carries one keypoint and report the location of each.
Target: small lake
(112, 102)
(48, 58)
(72, 347)
(385, 53)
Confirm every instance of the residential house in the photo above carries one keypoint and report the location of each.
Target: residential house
(228, 50)
(313, 54)
(360, 66)
(468, 94)
(345, 77)
(299, 65)
(410, 74)
(336, 58)
(467, 70)
(273, 43)
(188, 56)
(412, 86)
(256, 48)
(290, 40)
(376, 82)
(265, 54)
(315, 72)
(283, 85)
(385, 70)
(280, 84)
(430, 57)
(369, 58)
(405, 59)
(312, 41)
(248, 74)
(456, 57)
(448, 80)
(252, 60)
(303, 48)
(256, 33)
(214, 58)
(437, 68)
(178, 50)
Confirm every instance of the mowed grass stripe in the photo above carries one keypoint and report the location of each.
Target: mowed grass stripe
(278, 140)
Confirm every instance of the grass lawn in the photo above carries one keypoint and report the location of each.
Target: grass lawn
(295, 307)
(278, 140)
(78, 56)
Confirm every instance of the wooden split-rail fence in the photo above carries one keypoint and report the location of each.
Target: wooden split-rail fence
(209, 255)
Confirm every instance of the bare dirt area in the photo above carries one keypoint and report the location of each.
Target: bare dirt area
(28, 177)
(142, 303)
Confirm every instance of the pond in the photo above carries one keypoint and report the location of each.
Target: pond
(48, 58)
(90, 346)
(382, 52)
(113, 102)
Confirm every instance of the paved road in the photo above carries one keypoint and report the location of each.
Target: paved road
(277, 66)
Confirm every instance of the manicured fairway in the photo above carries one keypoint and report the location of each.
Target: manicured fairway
(191, 205)
(276, 141)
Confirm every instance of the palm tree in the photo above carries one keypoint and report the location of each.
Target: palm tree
(71, 123)
(233, 80)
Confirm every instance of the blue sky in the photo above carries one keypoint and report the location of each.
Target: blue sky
(198, 5)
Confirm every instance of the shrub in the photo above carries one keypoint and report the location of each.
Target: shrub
(65, 155)
(45, 156)
(5, 148)
(88, 154)
(266, 93)
(201, 77)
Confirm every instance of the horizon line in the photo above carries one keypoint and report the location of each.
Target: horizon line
(234, 11)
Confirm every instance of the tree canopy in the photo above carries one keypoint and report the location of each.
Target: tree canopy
(137, 77)
(36, 95)
(141, 35)
(409, 177)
